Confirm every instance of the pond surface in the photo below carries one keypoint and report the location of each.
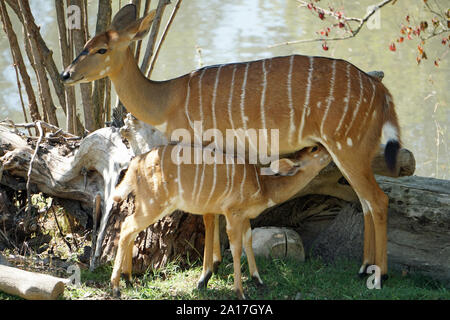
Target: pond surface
(237, 30)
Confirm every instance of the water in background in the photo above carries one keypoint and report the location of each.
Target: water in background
(236, 30)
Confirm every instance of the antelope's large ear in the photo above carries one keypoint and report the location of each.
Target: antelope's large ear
(284, 167)
(139, 29)
(124, 18)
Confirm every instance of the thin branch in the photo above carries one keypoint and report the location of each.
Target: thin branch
(60, 231)
(30, 168)
(139, 45)
(79, 37)
(353, 33)
(31, 34)
(43, 124)
(163, 37)
(18, 61)
(153, 35)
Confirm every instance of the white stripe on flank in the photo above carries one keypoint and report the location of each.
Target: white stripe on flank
(370, 105)
(257, 180)
(213, 103)
(214, 184)
(200, 106)
(201, 182)
(219, 199)
(358, 104)
(330, 96)
(232, 178)
(180, 188)
(186, 104)
(244, 84)
(164, 182)
(346, 99)
(263, 97)
(230, 98)
(290, 102)
(195, 180)
(243, 182)
(306, 104)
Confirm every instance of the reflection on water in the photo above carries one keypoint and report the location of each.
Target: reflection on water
(236, 30)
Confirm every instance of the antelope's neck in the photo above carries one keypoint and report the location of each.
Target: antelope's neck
(281, 189)
(147, 100)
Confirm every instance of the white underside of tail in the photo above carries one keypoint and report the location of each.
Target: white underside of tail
(390, 132)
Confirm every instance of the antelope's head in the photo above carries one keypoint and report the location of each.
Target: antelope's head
(312, 158)
(103, 55)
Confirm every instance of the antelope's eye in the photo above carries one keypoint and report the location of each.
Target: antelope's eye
(102, 51)
(314, 149)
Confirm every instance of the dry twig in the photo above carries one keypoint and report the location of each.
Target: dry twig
(352, 33)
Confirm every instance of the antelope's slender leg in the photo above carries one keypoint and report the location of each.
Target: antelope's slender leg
(374, 202)
(127, 264)
(217, 255)
(369, 242)
(234, 231)
(131, 226)
(247, 239)
(208, 220)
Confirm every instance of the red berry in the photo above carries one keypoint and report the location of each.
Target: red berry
(392, 47)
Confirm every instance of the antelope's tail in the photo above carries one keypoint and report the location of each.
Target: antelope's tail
(391, 132)
(126, 186)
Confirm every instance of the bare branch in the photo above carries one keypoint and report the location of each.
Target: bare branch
(163, 37)
(39, 61)
(153, 35)
(30, 167)
(353, 33)
(18, 62)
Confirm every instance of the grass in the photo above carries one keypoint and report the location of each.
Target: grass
(284, 279)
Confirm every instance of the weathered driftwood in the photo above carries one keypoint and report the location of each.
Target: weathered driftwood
(30, 285)
(93, 169)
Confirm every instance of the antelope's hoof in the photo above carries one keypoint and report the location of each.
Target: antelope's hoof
(240, 295)
(116, 293)
(383, 279)
(216, 266)
(128, 280)
(257, 280)
(362, 273)
(203, 281)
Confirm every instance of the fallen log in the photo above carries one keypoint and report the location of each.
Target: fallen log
(30, 285)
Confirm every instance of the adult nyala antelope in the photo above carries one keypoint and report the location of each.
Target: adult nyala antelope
(310, 100)
(162, 185)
